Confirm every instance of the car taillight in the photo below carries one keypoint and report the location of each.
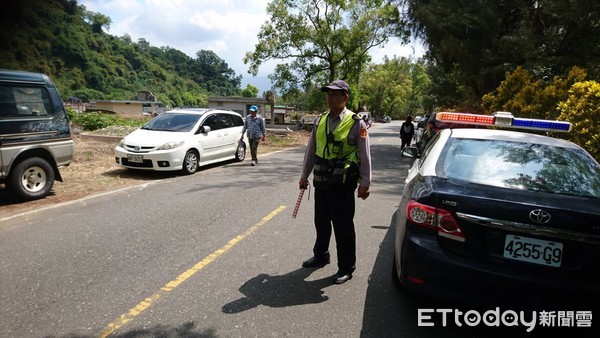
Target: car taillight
(433, 218)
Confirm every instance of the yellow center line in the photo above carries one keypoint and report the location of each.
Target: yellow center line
(147, 302)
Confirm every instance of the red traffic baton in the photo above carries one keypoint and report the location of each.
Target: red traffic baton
(298, 203)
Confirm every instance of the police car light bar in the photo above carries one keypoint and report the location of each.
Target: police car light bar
(503, 119)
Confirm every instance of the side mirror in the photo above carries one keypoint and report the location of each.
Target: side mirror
(410, 152)
(204, 129)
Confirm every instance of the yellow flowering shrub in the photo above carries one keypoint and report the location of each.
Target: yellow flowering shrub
(582, 109)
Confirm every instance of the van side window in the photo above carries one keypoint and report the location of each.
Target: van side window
(24, 102)
(226, 121)
(212, 122)
(8, 106)
(237, 121)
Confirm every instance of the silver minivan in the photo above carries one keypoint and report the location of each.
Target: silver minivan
(35, 137)
(184, 139)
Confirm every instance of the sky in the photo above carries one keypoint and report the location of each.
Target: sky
(229, 28)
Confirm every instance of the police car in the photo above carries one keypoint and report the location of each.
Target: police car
(490, 214)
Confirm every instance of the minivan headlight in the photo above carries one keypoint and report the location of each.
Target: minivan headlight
(170, 145)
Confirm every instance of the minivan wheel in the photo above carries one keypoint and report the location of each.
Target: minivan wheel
(31, 179)
(240, 152)
(190, 162)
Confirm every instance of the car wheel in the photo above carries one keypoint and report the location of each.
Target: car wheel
(240, 152)
(190, 162)
(31, 179)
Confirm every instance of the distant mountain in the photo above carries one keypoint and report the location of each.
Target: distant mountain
(67, 42)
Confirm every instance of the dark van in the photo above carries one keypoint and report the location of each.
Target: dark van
(35, 137)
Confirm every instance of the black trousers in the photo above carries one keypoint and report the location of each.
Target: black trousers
(334, 207)
(406, 140)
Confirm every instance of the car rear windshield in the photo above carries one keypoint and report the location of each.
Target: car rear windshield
(522, 166)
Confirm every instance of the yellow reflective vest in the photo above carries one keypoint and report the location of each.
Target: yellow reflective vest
(336, 160)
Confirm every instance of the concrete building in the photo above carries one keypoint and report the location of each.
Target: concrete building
(242, 105)
(125, 107)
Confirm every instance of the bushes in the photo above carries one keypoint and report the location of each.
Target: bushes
(93, 121)
(570, 99)
(582, 109)
(524, 96)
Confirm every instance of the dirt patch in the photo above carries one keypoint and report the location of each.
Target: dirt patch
(94, 171)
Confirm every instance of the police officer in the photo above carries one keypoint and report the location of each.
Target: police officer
(339, 152)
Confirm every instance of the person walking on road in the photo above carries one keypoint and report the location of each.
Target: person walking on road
(255, 126)
(407, 131)
(339, 152)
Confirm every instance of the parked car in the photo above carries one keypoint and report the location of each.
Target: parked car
(489, 214)
(35, 137)
(183, 139)
(384, 119)
(423, 121)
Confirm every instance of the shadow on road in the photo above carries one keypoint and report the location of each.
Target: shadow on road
(280, 291)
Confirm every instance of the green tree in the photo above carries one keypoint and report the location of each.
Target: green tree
(471, 44)
(64, 40)
(582, 108)
(213, 73)
(98, 20)
(398, 88)
(524, 96)
(317, 41)
(250, 91)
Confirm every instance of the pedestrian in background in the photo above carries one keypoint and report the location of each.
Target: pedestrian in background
(339, 152)
(255, 126)
(407, 130)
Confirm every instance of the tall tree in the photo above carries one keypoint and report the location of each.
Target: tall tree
(214, 74)
(316, 41)
(473, 43)
(250, 91)
(398, 88)
(67, 42)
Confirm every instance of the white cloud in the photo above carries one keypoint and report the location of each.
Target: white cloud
(227, 27)
(394, 48)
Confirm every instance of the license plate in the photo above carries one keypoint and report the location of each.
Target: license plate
(533, 250)
(135, 158)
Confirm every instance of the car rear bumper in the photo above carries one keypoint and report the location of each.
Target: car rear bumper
(449, 276)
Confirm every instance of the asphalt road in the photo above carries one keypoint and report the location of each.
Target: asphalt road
(215, 254)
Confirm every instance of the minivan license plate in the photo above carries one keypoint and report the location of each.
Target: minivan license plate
(533, 250)
(135, 158)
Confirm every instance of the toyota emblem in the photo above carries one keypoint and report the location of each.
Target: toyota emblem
(137, 148)
(539, 216)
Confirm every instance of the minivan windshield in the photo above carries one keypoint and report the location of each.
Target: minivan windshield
(173, 122)
(522, 166)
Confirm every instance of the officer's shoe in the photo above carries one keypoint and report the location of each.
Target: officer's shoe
(342, 277)
(315, 262)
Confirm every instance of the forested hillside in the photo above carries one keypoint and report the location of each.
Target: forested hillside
(64, 40)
